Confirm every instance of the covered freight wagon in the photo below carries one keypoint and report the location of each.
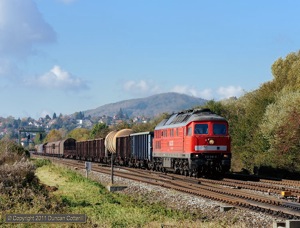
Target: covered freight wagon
(68, 146)
(63, 148)
(40, 148)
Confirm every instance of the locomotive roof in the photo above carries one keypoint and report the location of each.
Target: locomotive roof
(142, 133)
(185, 117)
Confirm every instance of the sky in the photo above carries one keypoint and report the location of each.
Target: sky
(66, 56)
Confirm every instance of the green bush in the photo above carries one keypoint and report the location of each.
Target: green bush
(41, 162)
(20, 190)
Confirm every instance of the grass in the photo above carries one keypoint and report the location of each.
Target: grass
(103, 208)
(21, 193)
(75, 194)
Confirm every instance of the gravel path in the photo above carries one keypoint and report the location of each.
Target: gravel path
(208, 210)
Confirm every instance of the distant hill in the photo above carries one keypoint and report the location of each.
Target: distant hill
(149, 106)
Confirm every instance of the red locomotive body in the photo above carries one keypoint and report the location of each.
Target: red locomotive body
(193, 142)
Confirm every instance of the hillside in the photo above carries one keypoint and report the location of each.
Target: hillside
(149, 106)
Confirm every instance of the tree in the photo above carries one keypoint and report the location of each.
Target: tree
(99, 130)
(281, 128)
(121, 125)
(39, 138)
(244, 117)
(10, 148)
(286, 72)
(54, 116)
(78, 115)
(142, 127)
(79, 134)
(215, 107)
(121, 115)
(53, 135)
(250, 144)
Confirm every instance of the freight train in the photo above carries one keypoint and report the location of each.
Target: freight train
(191, 142)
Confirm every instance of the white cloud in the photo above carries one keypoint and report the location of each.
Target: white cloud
(145, 88)
(22, 27)
(205, 94)
(59, 79)
(186, 90)
(230, 91)
(209, 94)
(44, 113)
(141, 87)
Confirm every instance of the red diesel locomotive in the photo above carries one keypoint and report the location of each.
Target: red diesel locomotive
(192, 142)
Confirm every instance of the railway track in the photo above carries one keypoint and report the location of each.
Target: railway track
(227, 191)
(258, 186)
(292, 183)
(275, 181)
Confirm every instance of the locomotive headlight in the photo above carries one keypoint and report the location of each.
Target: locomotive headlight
(211, 141)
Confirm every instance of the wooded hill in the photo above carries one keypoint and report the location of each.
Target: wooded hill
(149, 106)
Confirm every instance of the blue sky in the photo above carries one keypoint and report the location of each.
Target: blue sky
(65, 56)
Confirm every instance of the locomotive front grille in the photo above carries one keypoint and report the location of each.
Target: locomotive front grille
(210, 148)
(211, 156)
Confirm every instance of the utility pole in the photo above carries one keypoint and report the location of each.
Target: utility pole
(112, 168)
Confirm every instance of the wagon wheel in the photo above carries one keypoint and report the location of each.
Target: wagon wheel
(186, 172)
(181, 171)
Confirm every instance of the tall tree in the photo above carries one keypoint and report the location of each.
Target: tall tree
(79, 134)
(53, 135)
(39, 138)
(99, 130)
(286, 72)
(79, 115)
(281, 128)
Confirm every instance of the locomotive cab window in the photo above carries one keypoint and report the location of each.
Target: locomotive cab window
(201, 129)
(219, 129)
